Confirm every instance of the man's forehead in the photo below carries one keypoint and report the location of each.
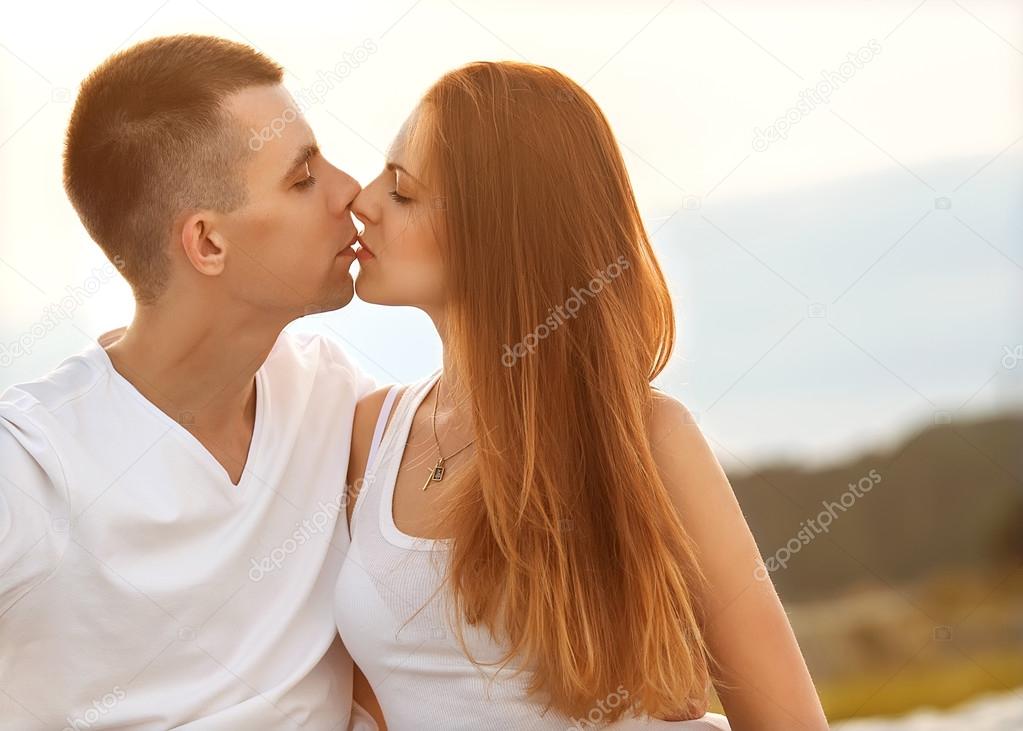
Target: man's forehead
(272, 123)
(261, 104)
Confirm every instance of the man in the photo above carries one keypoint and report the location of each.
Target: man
(171, 500)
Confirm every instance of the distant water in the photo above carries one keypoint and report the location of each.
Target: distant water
(1001, 712)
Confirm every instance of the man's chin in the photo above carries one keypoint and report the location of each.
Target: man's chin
(339, 296)
(347, 294)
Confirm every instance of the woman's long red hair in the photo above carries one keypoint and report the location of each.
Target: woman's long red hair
(565, 543)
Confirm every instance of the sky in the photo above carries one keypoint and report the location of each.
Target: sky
(833, 188)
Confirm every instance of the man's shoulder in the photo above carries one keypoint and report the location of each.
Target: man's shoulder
(70, 382)
(36, 416)
(320, 356)
(315, 348)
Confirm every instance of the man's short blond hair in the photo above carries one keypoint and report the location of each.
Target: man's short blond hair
(149, 137)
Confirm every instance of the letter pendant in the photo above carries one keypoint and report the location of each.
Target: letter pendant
(436, 473)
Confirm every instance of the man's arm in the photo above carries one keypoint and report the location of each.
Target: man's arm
(34, 515)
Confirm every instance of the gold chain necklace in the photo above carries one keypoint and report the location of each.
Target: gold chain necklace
(437, 471)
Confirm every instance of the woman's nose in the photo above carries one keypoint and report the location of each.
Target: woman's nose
(361, 207)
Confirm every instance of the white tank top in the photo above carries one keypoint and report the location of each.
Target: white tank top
(396, 624)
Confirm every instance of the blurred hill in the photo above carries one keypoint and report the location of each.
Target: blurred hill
(949, 495)
(913, 596)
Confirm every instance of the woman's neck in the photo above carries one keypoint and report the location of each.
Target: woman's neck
(455, 395)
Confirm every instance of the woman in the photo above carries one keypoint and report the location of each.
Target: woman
(541, 540)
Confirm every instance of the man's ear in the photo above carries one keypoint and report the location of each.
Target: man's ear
(204, 247)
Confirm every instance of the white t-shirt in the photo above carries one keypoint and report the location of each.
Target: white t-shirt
(140, 588)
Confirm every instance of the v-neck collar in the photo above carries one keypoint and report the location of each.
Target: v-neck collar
(100, 354)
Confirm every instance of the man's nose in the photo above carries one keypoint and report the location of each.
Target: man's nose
(348, 190)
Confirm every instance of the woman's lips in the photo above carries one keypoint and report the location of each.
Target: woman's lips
(363, 253)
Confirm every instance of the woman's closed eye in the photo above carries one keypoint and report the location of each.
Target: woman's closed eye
(307, 182)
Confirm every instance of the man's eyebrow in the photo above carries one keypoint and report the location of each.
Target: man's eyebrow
(392, 166)
(304, 155)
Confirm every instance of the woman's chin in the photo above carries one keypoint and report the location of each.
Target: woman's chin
(366, 290)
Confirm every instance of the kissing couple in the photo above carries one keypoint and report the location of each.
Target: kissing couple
(208, 522)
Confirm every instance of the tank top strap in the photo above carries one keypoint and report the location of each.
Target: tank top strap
(378, 433)
(374, 446)
(378, 463)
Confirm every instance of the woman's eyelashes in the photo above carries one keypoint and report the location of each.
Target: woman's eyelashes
(393, 193)
(307, 182)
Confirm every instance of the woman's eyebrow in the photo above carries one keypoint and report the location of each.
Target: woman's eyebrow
(392, 166)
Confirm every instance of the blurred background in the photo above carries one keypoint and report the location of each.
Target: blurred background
(834, 191)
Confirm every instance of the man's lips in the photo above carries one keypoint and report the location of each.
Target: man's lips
(348, 250)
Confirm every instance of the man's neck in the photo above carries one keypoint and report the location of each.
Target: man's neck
(199, 368)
